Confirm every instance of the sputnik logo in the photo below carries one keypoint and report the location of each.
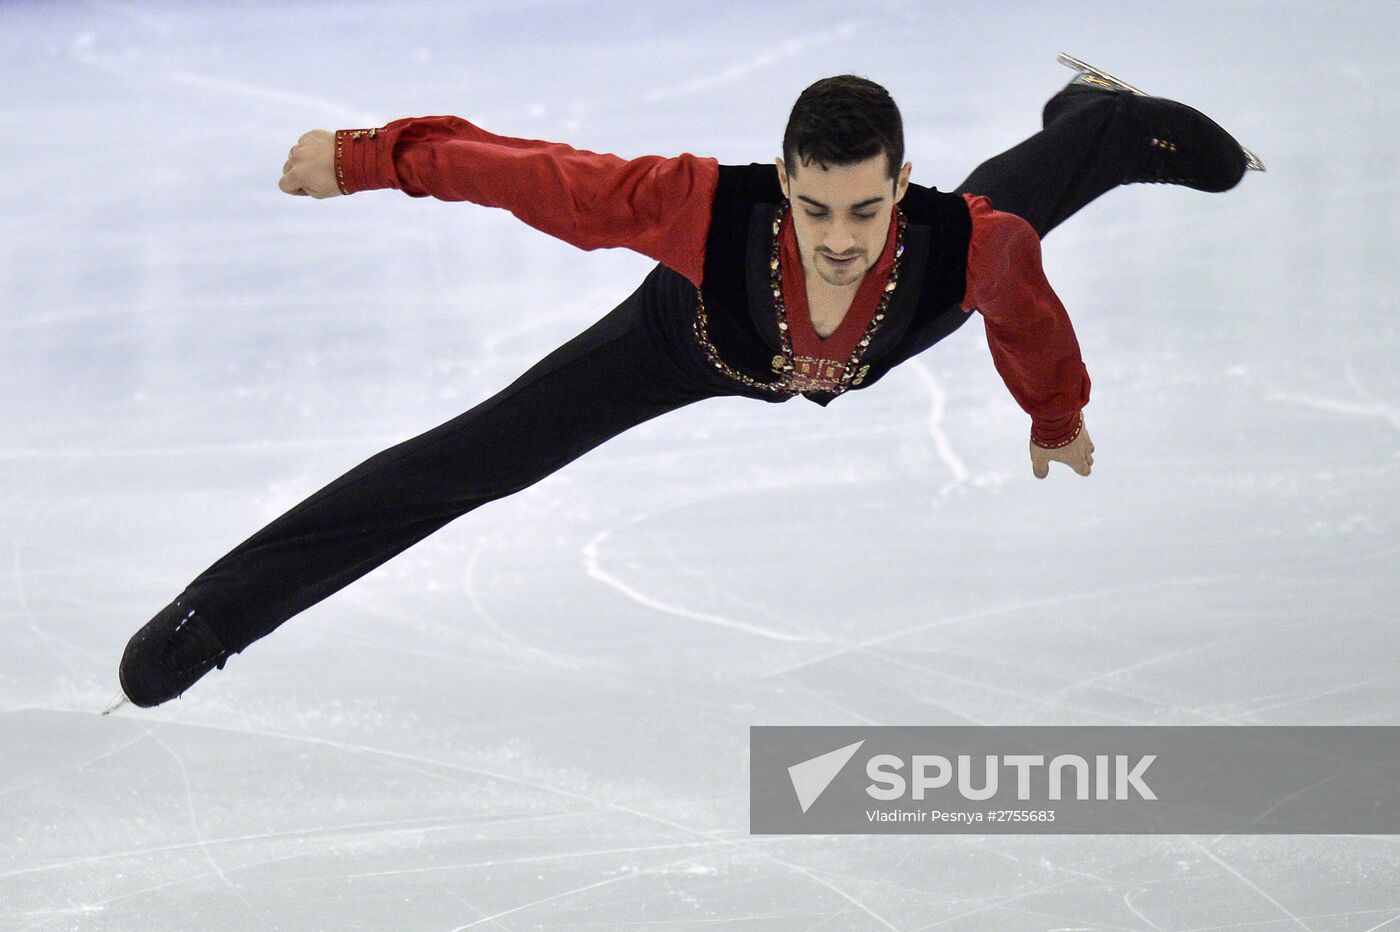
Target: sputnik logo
(811, 777)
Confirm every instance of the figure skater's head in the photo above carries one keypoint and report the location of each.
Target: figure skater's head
(841, 171)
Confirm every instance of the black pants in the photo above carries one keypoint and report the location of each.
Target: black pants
(618, 373)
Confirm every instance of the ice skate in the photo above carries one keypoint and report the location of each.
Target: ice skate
(1095, 77)
(170, 652)
(117, 702)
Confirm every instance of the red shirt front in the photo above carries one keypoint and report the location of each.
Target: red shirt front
(660, 207)
(839, 344)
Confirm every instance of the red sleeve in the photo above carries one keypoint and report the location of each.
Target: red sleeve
(657, 206)
(1030, 336)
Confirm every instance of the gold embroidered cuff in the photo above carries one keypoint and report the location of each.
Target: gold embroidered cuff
(1078, 426)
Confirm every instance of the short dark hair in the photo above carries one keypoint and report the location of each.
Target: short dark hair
(843, 120)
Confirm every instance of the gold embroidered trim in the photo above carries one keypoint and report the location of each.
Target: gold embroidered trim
(1078, 426)
(356, 135)
(340, 162)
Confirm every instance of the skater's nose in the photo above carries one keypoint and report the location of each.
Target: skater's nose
(840, 239)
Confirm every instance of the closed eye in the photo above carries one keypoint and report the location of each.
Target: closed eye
(823, 216)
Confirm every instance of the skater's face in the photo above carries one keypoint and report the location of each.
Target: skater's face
(842, 212)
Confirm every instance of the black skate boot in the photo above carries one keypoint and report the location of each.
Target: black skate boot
(1180, 144)
(167, 656)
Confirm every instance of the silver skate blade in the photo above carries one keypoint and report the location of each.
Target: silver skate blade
(1252, 161)
(1096, 77)
(117, 702)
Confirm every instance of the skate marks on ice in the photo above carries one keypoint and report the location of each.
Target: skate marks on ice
(593, 565)
(480, 610)
(691, 865)
(65, 771)
(1369, 405)
(92, 48)
(209, 85)
(194, 826)
(592, 550)
(766, 60)
(735, 843)
(1005, 608)
(60, 648)
(938, 403)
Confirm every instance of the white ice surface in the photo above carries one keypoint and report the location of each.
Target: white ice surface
(537, 718)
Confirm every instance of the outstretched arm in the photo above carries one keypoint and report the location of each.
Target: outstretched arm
(1030, 336)
(657, 206)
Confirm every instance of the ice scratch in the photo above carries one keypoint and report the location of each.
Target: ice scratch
(992, 612)
(1246, 881)
(1370, 405)
(595, 571)
(941, 443)
(194, 824)
(328, 108)
(837, 890)
(763, 60)
(74, 769)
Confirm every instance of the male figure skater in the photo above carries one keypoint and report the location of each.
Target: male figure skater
(814, 275)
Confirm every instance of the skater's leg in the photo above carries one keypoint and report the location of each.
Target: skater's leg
(1094, 140)
(606, 380)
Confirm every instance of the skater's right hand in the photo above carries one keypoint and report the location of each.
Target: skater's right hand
(1078, 455)
(310, 167)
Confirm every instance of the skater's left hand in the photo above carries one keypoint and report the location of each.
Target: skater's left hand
(1078, 455)
(310, 167)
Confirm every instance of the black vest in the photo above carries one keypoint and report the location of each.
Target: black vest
(742, 323)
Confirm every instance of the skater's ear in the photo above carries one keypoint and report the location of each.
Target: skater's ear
(782, 177)
(901, 183)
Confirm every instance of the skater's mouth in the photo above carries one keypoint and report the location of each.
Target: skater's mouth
(840, 262)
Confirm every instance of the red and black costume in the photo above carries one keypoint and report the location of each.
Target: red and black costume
(723, 313)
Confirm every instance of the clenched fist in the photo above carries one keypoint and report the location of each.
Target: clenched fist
(1077, 455)
(310, 168)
